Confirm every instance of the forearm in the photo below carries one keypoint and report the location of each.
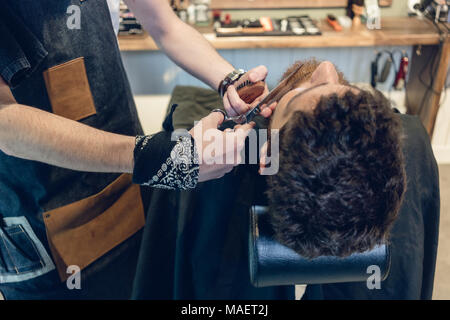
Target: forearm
(183, 44)
(201, 59)
(33, 134)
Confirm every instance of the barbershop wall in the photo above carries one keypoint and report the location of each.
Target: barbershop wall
(153, 73)
(145, 69)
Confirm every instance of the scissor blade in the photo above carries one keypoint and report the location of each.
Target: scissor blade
(281, 87)
(273, 95)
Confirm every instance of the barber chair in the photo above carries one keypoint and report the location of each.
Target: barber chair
(273, 264)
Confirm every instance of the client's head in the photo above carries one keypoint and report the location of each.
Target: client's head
(341, 174)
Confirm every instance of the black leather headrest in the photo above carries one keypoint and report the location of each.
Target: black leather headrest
(273, 264)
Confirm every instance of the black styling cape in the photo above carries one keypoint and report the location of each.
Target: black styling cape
(195, 242)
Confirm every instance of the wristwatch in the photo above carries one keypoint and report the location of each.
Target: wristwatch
(231, 78)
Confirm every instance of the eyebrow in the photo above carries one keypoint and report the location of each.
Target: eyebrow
(286, 109)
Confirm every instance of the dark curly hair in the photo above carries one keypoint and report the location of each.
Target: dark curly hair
(342, 177)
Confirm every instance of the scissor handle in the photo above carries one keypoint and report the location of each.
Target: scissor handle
(236, 119)
(229, 122)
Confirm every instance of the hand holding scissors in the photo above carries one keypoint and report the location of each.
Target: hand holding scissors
(273, 97)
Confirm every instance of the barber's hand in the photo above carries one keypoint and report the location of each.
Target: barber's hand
(215, 158)
(234, 105)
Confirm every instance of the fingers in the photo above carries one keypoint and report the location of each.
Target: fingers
(241, 132)
(213, 120)
(238, 106)
(273, 105)
(233, 104)
(219, 159)
(263, 155)
(244, 127)
(266, 90)
(257, 74)
(227, 106)
(263, 158)
(266, 112)
(254, 75)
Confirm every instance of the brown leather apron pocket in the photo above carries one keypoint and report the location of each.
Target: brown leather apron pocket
(68, 90)
(81, 232)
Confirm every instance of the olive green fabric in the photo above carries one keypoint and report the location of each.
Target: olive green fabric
(193, 103)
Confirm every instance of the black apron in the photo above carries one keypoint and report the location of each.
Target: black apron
(35, 37)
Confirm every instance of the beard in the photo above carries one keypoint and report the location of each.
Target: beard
(305, 72)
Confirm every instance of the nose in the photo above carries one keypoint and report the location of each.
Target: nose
(325, 72)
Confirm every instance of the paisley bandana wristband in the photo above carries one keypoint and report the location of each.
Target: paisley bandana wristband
(162, 163)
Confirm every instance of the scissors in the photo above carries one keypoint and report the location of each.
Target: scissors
(274, 96)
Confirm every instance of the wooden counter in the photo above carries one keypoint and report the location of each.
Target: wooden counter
(396, 31)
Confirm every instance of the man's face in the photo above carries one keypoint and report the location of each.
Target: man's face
(313, 80)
